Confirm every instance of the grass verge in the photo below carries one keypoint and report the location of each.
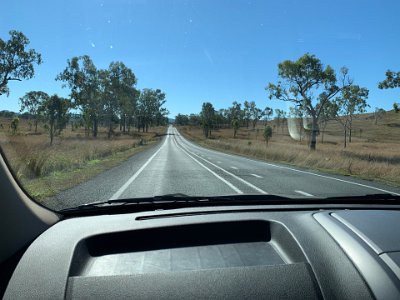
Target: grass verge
(57, 181)
(365, 160)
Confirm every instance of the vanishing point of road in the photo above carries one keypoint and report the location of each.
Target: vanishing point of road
(177, 165)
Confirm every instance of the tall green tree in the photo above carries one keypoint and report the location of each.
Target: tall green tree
(255, 114)
(207, 118)
(150, 108)
(55, 112)
(352, 100)
(267, 134)
(247, 113)
(392, 80)
(267, 115)
(118, 93)
(83, 78)
(16, 61)
(31, 103)
(308, 83)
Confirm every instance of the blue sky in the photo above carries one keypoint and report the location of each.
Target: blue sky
(207, 50)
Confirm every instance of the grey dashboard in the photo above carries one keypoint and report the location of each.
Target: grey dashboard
(209, 253)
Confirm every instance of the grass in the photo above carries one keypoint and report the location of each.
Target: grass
(374, 155)
(45, 170)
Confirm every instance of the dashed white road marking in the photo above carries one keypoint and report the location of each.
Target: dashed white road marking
(209, 170)
(234, 168)
(304, 194)
(255, 175)
(225, 171)
(295, 170)
(219, 162)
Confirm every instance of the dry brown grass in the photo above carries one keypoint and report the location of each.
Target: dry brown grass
(373, 156)
(31, 156)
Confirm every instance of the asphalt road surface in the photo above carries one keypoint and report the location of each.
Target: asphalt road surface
(177, 165)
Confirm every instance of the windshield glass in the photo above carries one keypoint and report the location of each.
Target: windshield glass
(103, 100)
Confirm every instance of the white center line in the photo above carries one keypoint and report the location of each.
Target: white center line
(304, 194)
(209, 170)
(225, 171)
(295, 170)
(234, 168)
(255, 175)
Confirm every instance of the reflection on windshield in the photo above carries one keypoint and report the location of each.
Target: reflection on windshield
(203, 98)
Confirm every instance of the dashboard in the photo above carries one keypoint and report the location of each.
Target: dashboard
(215, 253)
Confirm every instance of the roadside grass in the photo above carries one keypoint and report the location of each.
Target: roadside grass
(41, 188)
(45, 170)
(373, 156)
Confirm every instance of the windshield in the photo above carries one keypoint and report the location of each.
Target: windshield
(105, 100)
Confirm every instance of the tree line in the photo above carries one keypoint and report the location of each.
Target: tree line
(318, 93)
(103, 97)
(109, 96)
(245, 114)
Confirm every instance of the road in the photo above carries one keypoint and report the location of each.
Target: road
(177, 165)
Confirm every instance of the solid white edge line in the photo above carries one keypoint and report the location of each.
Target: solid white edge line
(229, 173)
(209, 170)
(304, 193)
(134, 176)
(300, 171)
(255, 175)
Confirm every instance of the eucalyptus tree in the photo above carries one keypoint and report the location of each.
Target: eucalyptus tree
(150, 108)
(207, 116)
(306, 82)
(31, 102)
(16, 61)
(352, 100)
(55, 112)
(255, 114)
(84, 80)
(267, 115)
(117, 86)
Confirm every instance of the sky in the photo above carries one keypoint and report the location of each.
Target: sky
(207, 50)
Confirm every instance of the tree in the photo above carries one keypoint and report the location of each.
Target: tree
(150, 110)
(235, 116)
(280, 117)
(235, 126)
(378, 114)
(267, 134)
(181, 120)
(16, 62)
(14, 124)
(308, 83)
(392, 80)
(255, 114)
(55, 111)
(83, 78)
(247, 113)
(352, 100)
(194, 120)
(267, 115)
(207, 118)
(327, 114)
(119, 93)
(396, 107)
(31, 103)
